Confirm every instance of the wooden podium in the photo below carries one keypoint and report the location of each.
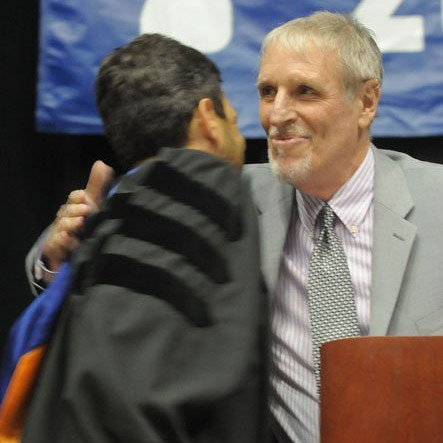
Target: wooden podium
(382, 390)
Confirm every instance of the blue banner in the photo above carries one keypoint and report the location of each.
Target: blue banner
(75, 35)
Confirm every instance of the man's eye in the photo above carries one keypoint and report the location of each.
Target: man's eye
(266, 91)
(306, 90)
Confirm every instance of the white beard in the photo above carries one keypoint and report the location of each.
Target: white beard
(293, 172)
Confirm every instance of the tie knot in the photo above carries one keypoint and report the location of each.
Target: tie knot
(326, 217)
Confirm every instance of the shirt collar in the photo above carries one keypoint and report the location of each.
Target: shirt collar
(350, 203)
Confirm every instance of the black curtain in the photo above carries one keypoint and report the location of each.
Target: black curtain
(38, 170)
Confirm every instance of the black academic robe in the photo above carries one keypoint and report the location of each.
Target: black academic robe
(163, 336)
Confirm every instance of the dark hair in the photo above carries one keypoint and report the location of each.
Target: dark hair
(147, 91)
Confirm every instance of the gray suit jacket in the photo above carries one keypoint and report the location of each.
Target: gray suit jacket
(407, 267)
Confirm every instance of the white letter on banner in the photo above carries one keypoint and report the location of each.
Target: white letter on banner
(393, 34)
(204, 25)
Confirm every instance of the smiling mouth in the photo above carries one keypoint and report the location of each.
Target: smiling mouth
(287, 139)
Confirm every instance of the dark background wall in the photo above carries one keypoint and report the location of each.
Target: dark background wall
(37, 171)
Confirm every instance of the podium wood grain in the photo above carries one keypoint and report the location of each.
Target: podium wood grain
(382, 390)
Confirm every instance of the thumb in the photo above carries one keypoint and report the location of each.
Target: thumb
(99, 178)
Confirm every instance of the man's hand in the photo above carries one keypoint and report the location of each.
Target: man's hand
(71, 216)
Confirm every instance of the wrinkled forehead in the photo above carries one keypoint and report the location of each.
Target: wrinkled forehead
(311, 65)
(299, 44)
(280, 56)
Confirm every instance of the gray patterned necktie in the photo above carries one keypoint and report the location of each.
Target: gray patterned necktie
(331, 296)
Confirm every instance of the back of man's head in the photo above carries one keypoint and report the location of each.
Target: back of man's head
(146, 93)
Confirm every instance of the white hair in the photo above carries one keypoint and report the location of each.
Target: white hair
(359, 55)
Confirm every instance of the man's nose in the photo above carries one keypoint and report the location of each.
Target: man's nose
(283, 110)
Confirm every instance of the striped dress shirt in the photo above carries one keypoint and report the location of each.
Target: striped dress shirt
(294, 398)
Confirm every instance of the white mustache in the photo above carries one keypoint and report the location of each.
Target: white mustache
(291, 130)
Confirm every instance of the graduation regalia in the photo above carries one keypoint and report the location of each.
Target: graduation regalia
(163, 336)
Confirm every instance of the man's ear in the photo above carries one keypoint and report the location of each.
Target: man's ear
(370, 96)
(209, 124)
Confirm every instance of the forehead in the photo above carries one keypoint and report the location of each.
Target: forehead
(281, 62)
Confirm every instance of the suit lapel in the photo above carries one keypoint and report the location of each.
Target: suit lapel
(274, 219)
(393, 239)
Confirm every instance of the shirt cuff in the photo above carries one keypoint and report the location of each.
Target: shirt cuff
(42, 275)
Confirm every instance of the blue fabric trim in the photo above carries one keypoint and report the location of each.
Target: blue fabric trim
(34, 326)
